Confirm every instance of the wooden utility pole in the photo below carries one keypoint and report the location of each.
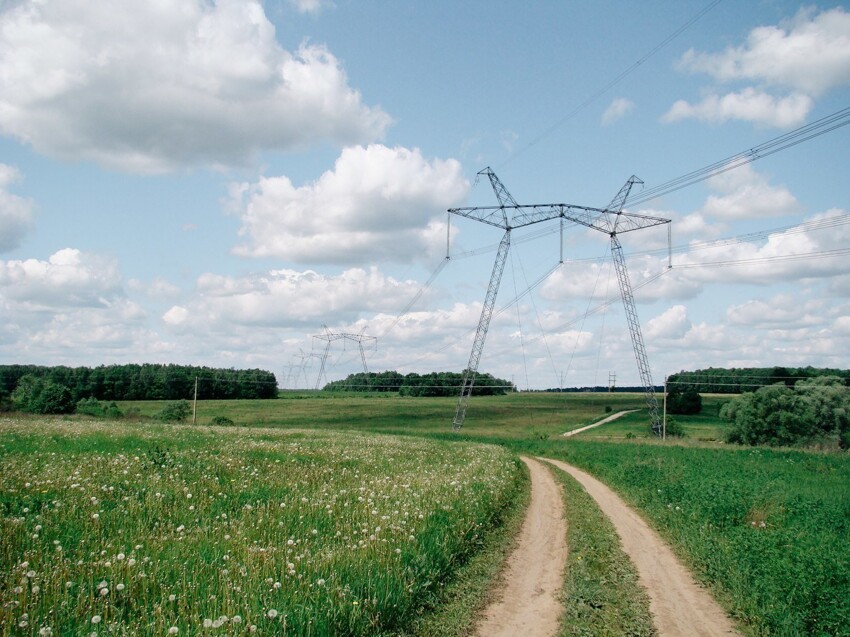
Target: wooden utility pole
(195, 402)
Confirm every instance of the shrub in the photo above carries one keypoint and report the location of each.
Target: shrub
(222, 421)
(175, 411)
(674, 428)
(42, 396)
(92, 407)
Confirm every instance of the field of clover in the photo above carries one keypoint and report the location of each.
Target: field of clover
(143, 529)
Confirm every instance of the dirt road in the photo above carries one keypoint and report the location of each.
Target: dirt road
(619, 414)
(679, 606)
(528, 601)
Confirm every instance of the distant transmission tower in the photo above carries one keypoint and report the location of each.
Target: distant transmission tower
(509, 215)
(330, 337)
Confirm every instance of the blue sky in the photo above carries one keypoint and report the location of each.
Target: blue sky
(212, 182)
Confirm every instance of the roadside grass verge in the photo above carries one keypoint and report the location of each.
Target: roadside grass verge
(766, 530)
(470, 589)
(137, 529)
(602, 595)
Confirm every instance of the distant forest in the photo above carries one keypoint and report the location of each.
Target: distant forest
(147, 382)
(434, 384)
(748, 379)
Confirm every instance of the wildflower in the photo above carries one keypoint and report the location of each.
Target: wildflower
(119, 587)
(321, 582)
(172, 597)
(95, 516)
(35, 589)
(236, 619)
(272, 613)
(173, 630)
(30, 574)
(119, 557)
(95, 619)
(207, 623)
(46, 631)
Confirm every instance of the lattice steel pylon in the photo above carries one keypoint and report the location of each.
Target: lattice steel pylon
(629, 305)
(509, 215)
(335, 336)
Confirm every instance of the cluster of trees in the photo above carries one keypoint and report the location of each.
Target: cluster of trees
(144, 382)
(683, 399)
(813, 410)
(719, 380)
(434, 384)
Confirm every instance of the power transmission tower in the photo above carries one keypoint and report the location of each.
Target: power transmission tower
(509, 215)
(336, 336)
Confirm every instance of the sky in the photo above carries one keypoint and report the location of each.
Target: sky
(219, 182)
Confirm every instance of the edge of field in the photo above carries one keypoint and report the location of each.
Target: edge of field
(471, 588)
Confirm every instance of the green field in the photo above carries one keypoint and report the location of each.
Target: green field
(148, 529)
(766, 530)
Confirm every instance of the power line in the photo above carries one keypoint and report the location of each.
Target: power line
(607, 87)
(797, 136)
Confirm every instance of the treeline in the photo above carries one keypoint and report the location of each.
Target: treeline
(434, 384)
(748, 379)
(146, 381)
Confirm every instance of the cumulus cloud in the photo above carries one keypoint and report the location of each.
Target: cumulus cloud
(69, 278)
(810, 54)
(150, 87)
(616, 110)
(290, 298)
(813, 249)
(16, 213)
(746, 194)
(377, 203)
(749, 105)
(783, 310)
(806, 57)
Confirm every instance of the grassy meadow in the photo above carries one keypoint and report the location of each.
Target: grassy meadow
(766, 530)
(146, 529)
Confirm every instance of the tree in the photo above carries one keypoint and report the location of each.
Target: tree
(683, 399)
(816, 408)
(42, 396)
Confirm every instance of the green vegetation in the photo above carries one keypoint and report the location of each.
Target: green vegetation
(34, 395)
(175, 411)
(146, 382)
(683, 399)
(427, 385)
(717, 380)
(601, 590)
(122, 529)
(93, 407)
(766, 530)
(815, 410)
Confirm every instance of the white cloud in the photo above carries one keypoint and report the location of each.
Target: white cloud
(794, 254)
(746, 194)
(16, 213)
(673, 323)
(150, 87)
(69, 278)
(158, 289)
(283, 298)
(310, 6)
(749, 105)
(809, 55)
(616, 110)
(378, 203)
(783, 310)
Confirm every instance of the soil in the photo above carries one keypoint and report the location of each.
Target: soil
(528, 600)
(619, 414)
(678, 604)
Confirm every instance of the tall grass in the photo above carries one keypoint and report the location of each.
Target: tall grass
(154, 530)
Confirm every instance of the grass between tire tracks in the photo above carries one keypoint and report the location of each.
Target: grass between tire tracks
(602, 595)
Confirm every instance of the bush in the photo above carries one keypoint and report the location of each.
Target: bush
(41, 396)
(175, 411)
(674, 428)
(222, 421)
(92, 407)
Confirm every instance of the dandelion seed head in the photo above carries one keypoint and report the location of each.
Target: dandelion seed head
(95, 619)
